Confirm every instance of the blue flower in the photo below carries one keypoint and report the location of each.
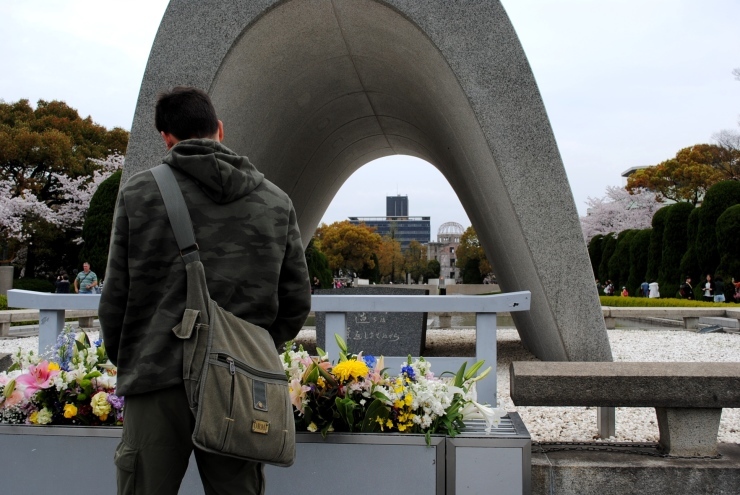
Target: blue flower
(98, 343)
(408, 371)
(370, 361)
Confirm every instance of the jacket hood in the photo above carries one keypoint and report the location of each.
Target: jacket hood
(221, 174)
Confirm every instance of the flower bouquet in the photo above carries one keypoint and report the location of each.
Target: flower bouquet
(358, 395)
(74, 386)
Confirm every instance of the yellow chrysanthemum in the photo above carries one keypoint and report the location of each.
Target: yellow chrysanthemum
(53, 366)
(350, 369)
(70, 411)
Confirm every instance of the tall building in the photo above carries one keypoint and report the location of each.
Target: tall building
(397, 224)
(397, 206)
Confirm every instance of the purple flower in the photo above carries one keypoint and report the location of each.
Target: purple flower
(408, 371)
(370, 361)
(115, 401)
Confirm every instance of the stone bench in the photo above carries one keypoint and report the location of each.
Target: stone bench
(690, 316)
(688, 397)
(84, 317)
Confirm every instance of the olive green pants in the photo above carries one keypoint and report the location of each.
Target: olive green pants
(155, 449)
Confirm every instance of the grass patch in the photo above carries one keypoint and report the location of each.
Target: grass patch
(646, 302)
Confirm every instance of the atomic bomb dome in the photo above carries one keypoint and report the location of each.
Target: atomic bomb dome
(450, 232)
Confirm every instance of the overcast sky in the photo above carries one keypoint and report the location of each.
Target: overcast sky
(625, 83)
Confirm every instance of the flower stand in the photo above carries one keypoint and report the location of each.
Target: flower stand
(61, 459)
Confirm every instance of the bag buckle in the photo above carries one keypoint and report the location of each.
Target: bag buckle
(189, 250)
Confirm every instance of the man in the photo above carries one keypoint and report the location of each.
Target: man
(86, 280)
(645, 289)
(255, 267)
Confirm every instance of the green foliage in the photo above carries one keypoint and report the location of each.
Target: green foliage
(638, 259)
(718, 198)
(433, 269)
(318, 266)
(372, 274)
(655, 251)
(471, 272)
(608, 246)
(728, 242)
(3, 303)
(469, 249)
(99, 223)
(689, 261)
(674, 246)
(39, 145)
(34, 284)
(595, 247)
(663, 302)
(619, 263)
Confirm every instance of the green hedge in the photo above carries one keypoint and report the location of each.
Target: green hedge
(35, 284)
(646, 302)
(638, 260)
(675, 244)
(719, 197)
(619, 263)
(728, 242)
(595, 247)
(608, 245)
(98, 225)
(3, 303)
(689, 261)
(655, 251)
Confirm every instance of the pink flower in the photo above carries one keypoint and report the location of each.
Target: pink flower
(15, 398)
(38, 377)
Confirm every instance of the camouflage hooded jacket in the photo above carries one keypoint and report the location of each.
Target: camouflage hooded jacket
(250, 247)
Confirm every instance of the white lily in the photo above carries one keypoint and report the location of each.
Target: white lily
(491, 415)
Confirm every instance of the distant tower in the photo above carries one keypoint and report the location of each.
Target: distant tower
(396, 206)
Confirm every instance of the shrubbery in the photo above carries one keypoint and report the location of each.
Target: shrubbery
(728, 242)
(718, 198)
(674, 247)
(684, 242)
(98, 224)
(34, 284)
(663, 302)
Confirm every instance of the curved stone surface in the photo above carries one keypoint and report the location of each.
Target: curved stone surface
(313, 90)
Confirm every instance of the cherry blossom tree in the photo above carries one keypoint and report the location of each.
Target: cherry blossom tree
(619, 210)
(22, 211)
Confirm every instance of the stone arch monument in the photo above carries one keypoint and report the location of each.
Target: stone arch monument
(311, 90)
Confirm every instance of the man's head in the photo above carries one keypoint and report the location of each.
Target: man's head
(688, 280)
(186, 113)
(86, 267)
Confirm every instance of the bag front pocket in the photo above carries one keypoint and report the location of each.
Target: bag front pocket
(256, 412)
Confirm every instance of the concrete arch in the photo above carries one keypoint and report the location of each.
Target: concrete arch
(311, 90)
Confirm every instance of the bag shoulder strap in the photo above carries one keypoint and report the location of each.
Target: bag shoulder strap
(177, 211)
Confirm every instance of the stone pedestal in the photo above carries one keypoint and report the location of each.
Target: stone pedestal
(6, 279)
(691, 322)
(611, 322)
(688, 432)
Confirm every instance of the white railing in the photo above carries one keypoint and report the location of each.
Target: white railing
(52, 306)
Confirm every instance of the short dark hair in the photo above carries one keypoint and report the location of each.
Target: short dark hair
(186, 113)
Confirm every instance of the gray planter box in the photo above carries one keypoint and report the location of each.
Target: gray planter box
(45, 459)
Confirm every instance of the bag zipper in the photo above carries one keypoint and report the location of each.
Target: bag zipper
(233, 364)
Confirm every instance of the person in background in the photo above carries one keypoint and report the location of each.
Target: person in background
(62, 283)
(625, 292)
(86, 280)
(719, 289)
(645, 289)
(687, 290)
(708, 289)
(654, 290)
